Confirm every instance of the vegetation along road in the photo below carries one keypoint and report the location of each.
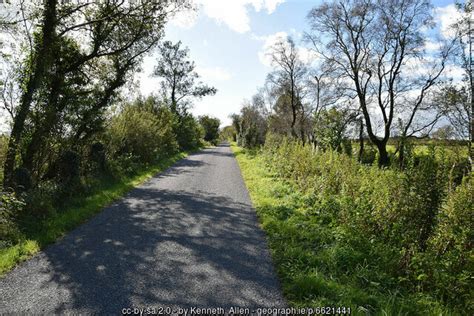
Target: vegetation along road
(188, 237)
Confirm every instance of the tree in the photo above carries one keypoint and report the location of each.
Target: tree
(457, 101)
(445, 132)
(69, 84)
(373, 44)
(287, 81)
(251, 124)
(330, 126)
(40, 62)
(211, 128)
(228, 133)
(180, 80)
(454, 103)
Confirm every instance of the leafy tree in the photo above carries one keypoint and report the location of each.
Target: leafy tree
(229, 133)
(211, 128)
(330, 126)
(188, 131)
(67, 85)
(251, 125)
(40, 61)
(445, 132)
(180, 80)
(180, 85)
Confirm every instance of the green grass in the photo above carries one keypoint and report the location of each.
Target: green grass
(38, 234)
(315, 262)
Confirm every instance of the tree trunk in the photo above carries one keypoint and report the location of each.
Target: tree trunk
(41, 54)
(384, 160)
(471, 83)
(361, 139)
(401, 153)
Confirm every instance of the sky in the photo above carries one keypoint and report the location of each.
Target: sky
(228, 39)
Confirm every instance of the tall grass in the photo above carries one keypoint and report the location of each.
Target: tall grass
(379, 240)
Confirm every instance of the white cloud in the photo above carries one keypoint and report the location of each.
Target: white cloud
(455, 72)
(432, 45)
(270, 40)
(445, 17)
(213, 73)
(233, 13)
(305, 54)
(185, 19)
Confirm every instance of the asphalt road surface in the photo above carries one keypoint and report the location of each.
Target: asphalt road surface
(188, 237)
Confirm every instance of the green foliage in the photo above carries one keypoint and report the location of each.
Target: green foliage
(146, 135)
(211, 128)
(250, 125)
(10, 206)
(329, 128)
(40, 201)
(452, 246)
(3, 152)
(228, 133)
(39, 229)
(379, 240)
(188, 132)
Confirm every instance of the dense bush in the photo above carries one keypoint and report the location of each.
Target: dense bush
(451, 246)
(189, 132)
(414, 221)
(144, 133)
(210, 126)
(10, 206)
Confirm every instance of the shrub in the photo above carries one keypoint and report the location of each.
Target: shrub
(210, 126)
(40, 201)
(188, 132)
(452, 244)
(10, 206)
(97, 158)
(422, 243)
(22, 179)
(141, 132)
(368, 156)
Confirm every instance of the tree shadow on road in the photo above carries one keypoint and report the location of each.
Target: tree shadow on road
(170, 248)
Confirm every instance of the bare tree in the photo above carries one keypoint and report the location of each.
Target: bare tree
(288, 80)
(372, 44)
(457, 99)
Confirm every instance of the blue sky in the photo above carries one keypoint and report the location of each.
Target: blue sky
(227, 40)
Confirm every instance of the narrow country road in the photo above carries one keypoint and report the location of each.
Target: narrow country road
(188, 237)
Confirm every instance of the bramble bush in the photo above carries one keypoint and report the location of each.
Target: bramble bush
(411, 229)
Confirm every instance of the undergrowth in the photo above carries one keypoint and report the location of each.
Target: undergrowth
(382, 242)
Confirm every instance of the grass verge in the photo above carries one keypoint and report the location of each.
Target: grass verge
(39, 234)
(316, 266)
